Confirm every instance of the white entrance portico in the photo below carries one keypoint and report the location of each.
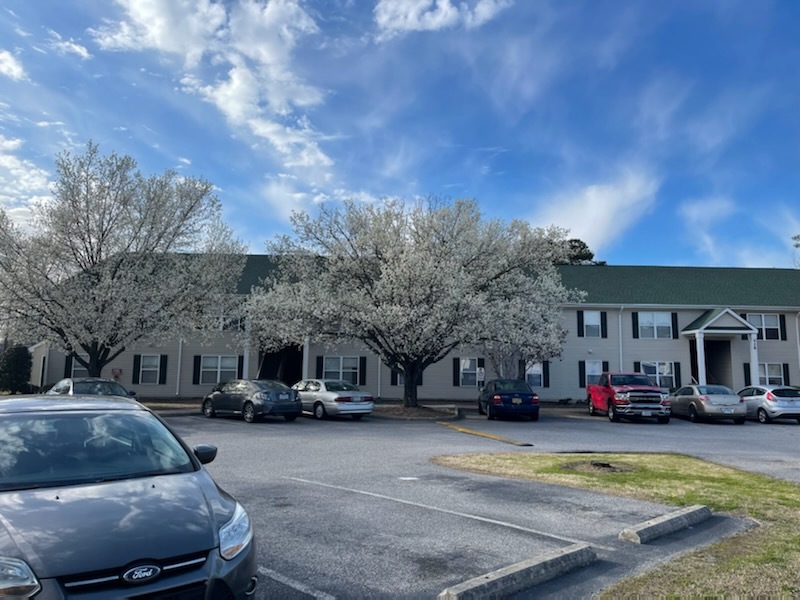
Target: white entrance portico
(721, 324)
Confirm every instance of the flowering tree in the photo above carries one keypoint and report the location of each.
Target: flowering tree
(115, 258)
(412, 282)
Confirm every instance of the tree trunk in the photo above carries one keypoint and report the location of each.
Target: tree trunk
(411, 373)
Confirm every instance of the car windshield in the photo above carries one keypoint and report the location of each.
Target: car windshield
(513, 386)
(787, 392)
(50, 449)
(270, 386)
(631, 380)
(340, 386)
(715, 390)
(99, 388)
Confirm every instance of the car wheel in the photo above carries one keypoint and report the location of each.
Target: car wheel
(592, 411)
(356, 417)
(208, 409)
(612, 413)
(739, 421)
(693, 416)
(319, 411)
(248, 412)
(490, 412)
(290, 418)
(480, 408)
(535, 417)
(663, 420)
(798, 420)
(763, 417)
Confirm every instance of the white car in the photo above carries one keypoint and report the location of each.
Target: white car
(333, 397)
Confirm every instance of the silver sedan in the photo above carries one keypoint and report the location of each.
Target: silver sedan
(707, 402)
(333, 397)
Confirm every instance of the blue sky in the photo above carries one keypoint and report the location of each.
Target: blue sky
(660, 133)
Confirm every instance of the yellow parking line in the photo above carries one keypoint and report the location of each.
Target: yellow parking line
(498, 438)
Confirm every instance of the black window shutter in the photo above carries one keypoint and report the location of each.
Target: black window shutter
(393, 377)
(783, 329)
(546, 373)
(319, 366)
(747, 373)
(362, 370)
(68, 367)
(635, 323)
(582, 373)
(674, 326)
(240, 367)
(162, 369)
(481, 363)
(137, 366)
(744, 316)
(603, 325)
(580, 323)
(786, 373)
(456, 372)
(637, 366)
(196, 370)
(605, 366)
(677, 370)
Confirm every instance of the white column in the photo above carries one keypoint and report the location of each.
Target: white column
(753, 359)
(306, 350)
(701, 358)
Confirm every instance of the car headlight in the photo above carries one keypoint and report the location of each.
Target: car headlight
(236, 534)
(17, 579)
(621, 396)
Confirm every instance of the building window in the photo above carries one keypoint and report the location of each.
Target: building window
(341, 367)
(534, 375)
(594, 368)
(655, 325)
(469, 372)
(149, 368)
(78, 370)
(217, 369)
(770, 373)
(663, 373)
(591, 323)
(769, 326)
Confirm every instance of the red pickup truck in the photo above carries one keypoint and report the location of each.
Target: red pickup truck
(627, 395)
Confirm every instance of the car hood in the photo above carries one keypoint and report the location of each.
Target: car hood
(84, 528)
(637, 388)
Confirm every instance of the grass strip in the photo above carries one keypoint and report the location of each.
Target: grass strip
(760, 563)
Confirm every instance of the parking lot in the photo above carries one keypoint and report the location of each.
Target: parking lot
(346, 509)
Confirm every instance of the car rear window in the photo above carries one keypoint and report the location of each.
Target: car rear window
(513, 386)
(68, 448)
(340, 386)
(271, 386)
(787, 392)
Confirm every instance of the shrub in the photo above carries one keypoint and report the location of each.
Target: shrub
(15, 369)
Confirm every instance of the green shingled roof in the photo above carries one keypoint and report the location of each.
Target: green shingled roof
(685, 286)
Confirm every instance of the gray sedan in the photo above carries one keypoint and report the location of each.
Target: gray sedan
(332, 397)
(768, 402)
(707, 402)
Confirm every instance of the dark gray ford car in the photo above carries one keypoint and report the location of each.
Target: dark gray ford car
(100, 499)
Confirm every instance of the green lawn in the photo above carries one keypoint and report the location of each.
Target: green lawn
(763, 562)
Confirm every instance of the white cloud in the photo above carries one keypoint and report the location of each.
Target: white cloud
(700, 217)
(21, 182)
(726, 116)
(64, 47)
(398, 16)
(11, 67)
(659, 105)
(599, 214)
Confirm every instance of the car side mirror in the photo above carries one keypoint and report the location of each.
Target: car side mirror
(205, 453)
(132, 393)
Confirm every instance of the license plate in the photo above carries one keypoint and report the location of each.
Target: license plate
(283, 396)
(516, 401)
(727, 411)
(647, 413)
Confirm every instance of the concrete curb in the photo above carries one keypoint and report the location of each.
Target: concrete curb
(669, 523)
(522, 575)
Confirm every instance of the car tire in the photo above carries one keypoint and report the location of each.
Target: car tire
(319, 411)
(612, 413)
(248, 412)
(663, 420)
(592, 411)
(739, 421)
(490, 413)
(693, 416)
(763, 417)
(290, 418)
(356, 417)
(535, 417)
(208, 409)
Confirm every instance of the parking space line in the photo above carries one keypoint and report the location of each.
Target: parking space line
(451, 512)
(300, 587)
(497, 438)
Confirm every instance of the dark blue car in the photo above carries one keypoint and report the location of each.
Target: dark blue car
(508, 397)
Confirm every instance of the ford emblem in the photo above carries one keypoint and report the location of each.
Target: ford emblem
(141, 574)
